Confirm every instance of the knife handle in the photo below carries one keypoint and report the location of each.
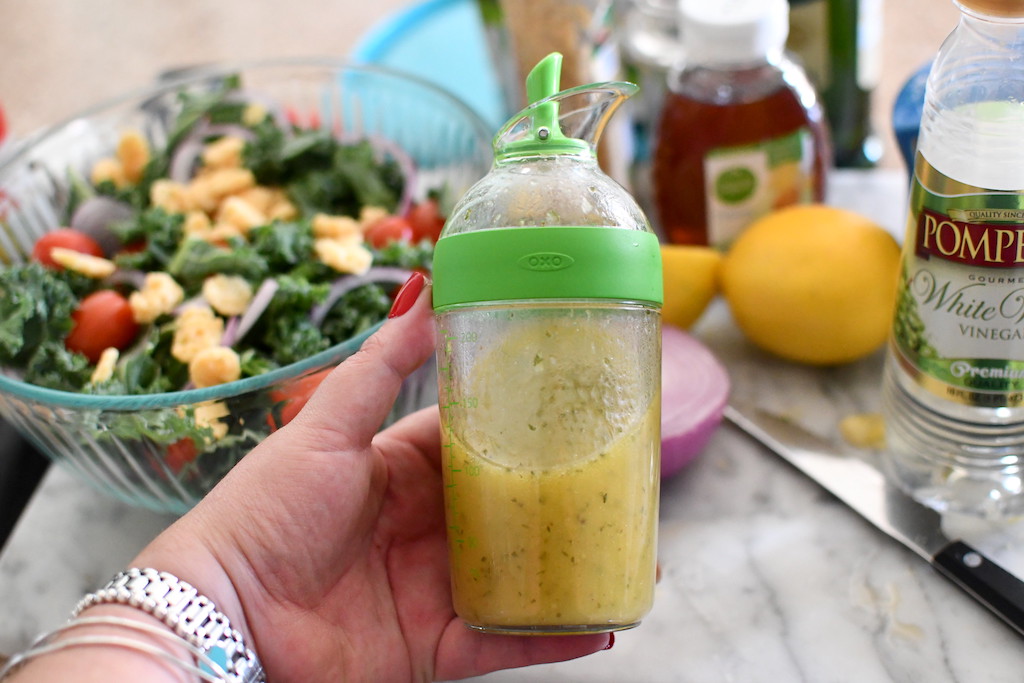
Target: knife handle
(996, 588)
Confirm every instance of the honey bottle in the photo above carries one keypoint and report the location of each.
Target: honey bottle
(741, 131)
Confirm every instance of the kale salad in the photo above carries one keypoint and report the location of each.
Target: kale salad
(247, 239)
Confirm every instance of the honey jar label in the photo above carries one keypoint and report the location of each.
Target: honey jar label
(743, 183)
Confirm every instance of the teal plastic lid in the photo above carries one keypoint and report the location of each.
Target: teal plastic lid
(568, 262)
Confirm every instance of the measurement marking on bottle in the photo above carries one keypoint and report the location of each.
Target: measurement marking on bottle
(452, 404)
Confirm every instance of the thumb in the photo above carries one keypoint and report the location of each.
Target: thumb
(356, 397)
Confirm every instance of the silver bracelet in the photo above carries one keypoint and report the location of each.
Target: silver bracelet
(210, 671)
(191, 615)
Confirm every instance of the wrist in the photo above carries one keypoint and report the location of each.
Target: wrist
(190, 561)
(104, 644)
(192, 616)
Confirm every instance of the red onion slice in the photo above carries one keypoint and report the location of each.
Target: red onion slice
(94, 217)
(230, 334)
(237, 327)
(344, 285)
(185, 158)
(695, 389)
(135, 278)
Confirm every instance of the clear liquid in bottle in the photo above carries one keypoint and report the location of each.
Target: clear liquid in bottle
(953, 392)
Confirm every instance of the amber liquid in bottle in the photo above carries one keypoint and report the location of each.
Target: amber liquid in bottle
(709, 110)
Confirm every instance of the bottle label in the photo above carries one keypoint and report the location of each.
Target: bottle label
(745, 182)
(959, 323)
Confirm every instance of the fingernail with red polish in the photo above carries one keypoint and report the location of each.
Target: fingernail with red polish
(611, 642)
(407, 295)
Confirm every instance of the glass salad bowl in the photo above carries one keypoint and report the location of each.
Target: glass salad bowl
(354, 156)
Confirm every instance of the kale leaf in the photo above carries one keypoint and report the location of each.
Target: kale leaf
(147, 368)
(403, 255)
(356, 311)
(321, 174)
(283, 245)
(197, 259)
(158, 231)
(214, 105)
(53, 366)
(285, 332)
(158, 426)
(35, 308)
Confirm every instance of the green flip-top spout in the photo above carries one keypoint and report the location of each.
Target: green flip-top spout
(545, 136)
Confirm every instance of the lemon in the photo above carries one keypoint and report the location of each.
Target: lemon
(813, 283)
(690, 275)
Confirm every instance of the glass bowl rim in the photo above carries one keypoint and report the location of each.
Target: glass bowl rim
(169, 399)
(190, 75)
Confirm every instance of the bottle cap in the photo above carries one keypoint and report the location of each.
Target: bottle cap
(509, 261)
(724, 32)
(545, 135)
(997, 8)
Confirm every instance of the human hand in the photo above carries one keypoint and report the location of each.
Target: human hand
(326, 544)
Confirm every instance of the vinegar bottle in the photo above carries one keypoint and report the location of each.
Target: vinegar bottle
(741, 132)
(954, 382)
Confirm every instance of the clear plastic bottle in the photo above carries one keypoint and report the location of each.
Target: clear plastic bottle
(741, 131)
(954, 382)
(547, 293)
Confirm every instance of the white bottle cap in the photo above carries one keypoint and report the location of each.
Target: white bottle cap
(724, 32)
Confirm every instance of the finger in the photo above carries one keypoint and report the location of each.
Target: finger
(463, 652)
(420, 430)
(354, 400)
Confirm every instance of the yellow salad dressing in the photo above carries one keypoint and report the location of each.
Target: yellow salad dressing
(552, 509)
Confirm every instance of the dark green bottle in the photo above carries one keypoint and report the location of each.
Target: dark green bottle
(839, 44)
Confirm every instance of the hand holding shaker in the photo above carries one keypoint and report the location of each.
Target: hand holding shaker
(547, 292)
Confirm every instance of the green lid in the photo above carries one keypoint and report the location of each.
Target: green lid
(566, 262)
(545, 135)
(486, 256)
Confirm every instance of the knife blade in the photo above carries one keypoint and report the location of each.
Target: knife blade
(867, 491)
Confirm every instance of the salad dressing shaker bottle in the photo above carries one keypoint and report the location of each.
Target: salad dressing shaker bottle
(953, 395)
(547, 294)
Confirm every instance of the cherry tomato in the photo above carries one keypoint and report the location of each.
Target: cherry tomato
(426, 220)
(133, 247)
(179, 454)
(387, 230)
(67, 239)
(295, 395)
(103, 319)
(300, 119)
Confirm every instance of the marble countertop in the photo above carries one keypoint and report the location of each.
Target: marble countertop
(765, 577)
